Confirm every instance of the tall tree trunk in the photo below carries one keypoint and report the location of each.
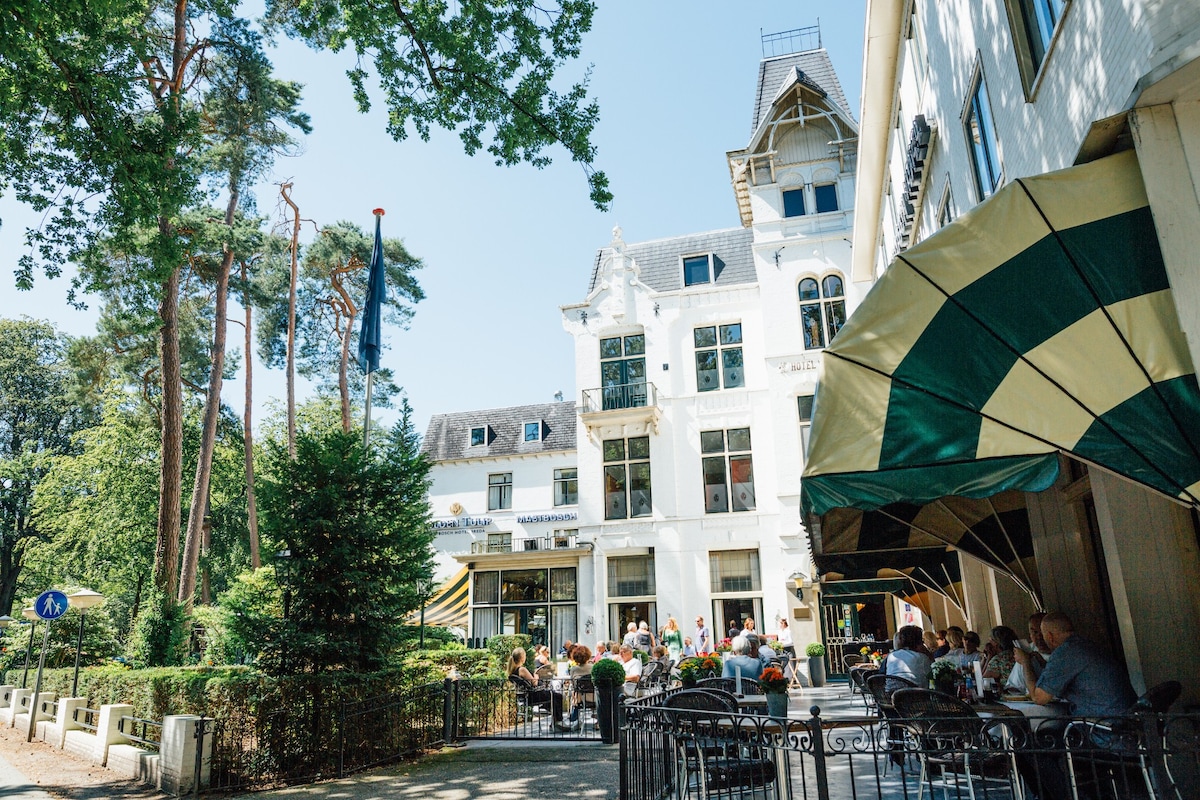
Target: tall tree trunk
(291, 326)
(343, 375)
(205, 544)
(166, 549)
(212, 412)
(247, 430)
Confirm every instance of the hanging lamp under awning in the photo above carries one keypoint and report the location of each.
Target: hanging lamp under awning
(1041, 321)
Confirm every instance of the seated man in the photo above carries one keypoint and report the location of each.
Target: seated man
(1079, 672)
(633, 668)
(748, 665)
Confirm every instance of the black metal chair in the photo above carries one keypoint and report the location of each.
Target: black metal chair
(1121, 757)
(711, 756)
(530, 698)
(858, 682)
(949, 737)
(880, 688)
(850, 659)
(749, 685)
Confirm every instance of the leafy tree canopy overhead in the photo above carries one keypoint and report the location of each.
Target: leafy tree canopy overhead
(479, 68)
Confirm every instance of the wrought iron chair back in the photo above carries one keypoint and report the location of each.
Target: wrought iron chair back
(882, 686)
(749, 685)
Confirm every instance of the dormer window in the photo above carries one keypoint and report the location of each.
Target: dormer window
(826, 195)
(699, 269)
(793, 202)
(533, 431)
(478, 437)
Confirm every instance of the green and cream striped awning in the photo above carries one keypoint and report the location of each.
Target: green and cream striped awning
(1041, 321)
(907, 573)
(448, 607)
(994, 530)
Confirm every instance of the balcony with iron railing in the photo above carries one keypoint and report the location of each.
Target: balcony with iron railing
(631, 406)
(555, 541)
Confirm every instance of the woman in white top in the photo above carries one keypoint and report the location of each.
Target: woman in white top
(908, 660)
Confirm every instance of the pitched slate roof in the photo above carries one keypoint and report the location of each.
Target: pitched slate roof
(817, 70)
(448, 436)
(659, 261)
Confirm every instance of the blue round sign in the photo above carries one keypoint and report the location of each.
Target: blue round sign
(51, 604)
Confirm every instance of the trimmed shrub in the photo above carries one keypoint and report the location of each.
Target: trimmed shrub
(608, 672)
(502, 646)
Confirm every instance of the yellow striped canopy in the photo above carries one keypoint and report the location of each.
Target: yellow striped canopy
(448, 607)
(1042, 321)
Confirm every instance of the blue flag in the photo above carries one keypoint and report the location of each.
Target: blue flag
(370, 337)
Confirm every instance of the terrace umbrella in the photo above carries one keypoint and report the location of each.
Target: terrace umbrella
(1040, 322)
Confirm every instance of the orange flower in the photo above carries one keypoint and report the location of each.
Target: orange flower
(772, 679)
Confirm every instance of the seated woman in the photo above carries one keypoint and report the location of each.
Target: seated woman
(527, 681)
(581, 666)
(1000, 666)
(954, 638)
(908, 660)
(662, 655)
(929, 642)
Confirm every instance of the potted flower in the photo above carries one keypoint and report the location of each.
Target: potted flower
(709, 667)
(609, 677)
(816, 663)
(944, 675)
(689, 675)
(775, 686)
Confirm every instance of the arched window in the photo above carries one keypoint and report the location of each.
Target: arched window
(822, 309)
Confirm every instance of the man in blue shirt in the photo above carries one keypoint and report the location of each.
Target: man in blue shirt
(1078, 672)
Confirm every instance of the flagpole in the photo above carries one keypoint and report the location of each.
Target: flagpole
(367, 423)
(378, 255)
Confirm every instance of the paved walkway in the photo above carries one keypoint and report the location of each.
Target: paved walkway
(15, 786)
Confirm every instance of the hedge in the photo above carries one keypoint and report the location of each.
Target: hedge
(502, 646)
(217, 691)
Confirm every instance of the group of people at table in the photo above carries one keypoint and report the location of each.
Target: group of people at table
(1054, 664)
(749, 656)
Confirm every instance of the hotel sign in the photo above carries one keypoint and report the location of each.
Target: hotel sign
(462, 522)
(567, 517)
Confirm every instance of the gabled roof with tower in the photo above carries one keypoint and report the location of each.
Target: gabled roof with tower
(811, 68)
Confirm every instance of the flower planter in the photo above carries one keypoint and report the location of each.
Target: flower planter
(777, 704)
(609, 699)
(816, 670)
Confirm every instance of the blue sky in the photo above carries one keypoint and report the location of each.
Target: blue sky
(505, 247)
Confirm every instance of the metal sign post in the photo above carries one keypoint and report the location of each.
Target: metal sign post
(50, 605)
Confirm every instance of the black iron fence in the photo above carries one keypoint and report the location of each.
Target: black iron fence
(321, 735)
(680, 753)
(494, 708)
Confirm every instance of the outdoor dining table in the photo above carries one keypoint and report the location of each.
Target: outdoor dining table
(1036, 714)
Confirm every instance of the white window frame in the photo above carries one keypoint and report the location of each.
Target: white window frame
(502, 495)
(525, 432)
(712, 269)
(1031, 71)
(978, 86)
(823, 302)
(471, 436)
(837, 200)
(564, 480)
(721, 349)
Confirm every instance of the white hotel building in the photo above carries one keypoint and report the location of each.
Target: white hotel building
(672, 486)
